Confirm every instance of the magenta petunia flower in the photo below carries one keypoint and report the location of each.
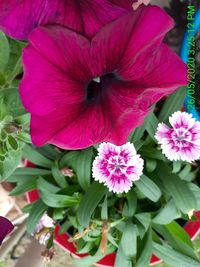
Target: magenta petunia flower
(19, 17)
(117, 166)
(5, 228)
(182, 141)
(82, 92)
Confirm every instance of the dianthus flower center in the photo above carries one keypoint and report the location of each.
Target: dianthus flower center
(181, 137)
(97, 85)
(116, 163)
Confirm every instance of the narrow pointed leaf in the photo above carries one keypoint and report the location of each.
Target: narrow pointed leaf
(89, 202)
(148, 188)
(173, 257)
(129, 240)
(145, 256)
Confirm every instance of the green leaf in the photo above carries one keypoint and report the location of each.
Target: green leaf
(173, 103)
(90, 260)
(137, 134)
(121, 259)
(129, 240)
(176, 166)
(151, 165)
(23, 120)
(27, 208)
(12, 142)
(69, 159)
(179, 232)
(24, 137)
(64, 226)
(177, 188)
(31, 171)
(4, 51)
(8, 166)
(15, 53)
(138, 144)
(89, 202)
(86, 248)
(49, 152)
(152, 124)
(177, 238)
(58, 214)
(173, 257)
(45, 186)
(36, 212)
(59, 201)
(104, 209)
(185, 172)
(35, 157)
(2, 79)
(11, 99)
(144, 218)
(152, 153)
(145, 256)
(148, 188)
(24, 187)
(196, 192)
(167, 214)
(83, 167)
(131, 204)
(112, 240)
(58, 176)
(16, 70)
(20, 179)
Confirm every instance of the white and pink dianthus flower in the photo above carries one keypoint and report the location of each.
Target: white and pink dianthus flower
(117, 166)
(182, 141)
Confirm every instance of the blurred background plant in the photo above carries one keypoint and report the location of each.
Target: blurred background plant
(14, 122)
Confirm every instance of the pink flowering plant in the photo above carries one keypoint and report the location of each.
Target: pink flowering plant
(91, 100)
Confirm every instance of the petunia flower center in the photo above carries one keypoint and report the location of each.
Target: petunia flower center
(97, 86)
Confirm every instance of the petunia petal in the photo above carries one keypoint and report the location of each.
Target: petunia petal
(19, 17)
(111, 120)
(51, 77)
(53, 90)
(52, 124)
(97, 13)
(5, 228)
(140, 26)
(147, 63)
(78, 133)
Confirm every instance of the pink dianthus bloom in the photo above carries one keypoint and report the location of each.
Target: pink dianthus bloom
(117, 166)
(5, 228)
(19, 17)
(82, 92)
(182, 141)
